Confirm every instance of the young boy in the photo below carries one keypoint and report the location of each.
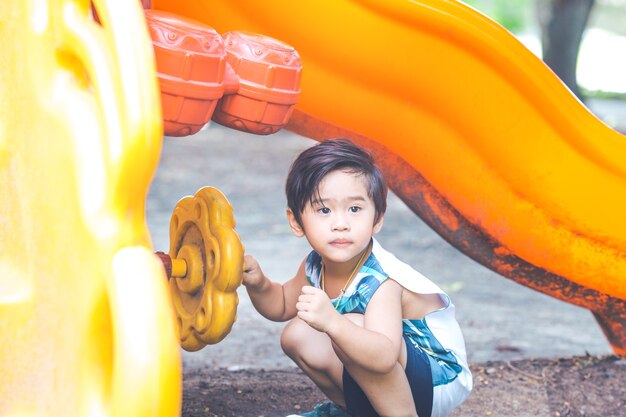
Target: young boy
(376, 336)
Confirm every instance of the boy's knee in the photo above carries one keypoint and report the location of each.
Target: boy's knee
(293, 336)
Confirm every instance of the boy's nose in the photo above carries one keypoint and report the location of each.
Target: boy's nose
(340, 224)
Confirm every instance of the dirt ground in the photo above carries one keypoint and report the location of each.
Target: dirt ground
(589, 386)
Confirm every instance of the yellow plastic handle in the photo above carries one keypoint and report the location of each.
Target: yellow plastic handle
(202, 234)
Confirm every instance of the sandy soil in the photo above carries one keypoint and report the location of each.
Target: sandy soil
(588, 386)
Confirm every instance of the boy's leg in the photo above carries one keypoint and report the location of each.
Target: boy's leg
(389, 394)
(418, 373)
(312, 351)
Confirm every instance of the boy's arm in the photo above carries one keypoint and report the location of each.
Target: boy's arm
(377, 345)
(272, 300)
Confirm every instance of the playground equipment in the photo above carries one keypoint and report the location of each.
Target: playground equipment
(245, 81)
(204, 267)
(85, 315)
(475, 134)
(90, 323)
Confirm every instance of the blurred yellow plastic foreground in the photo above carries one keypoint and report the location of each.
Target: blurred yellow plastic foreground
(85, 317)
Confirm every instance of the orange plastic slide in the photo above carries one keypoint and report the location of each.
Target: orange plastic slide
(475, 133)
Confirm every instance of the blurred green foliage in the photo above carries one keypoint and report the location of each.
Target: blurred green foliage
(601, 94)
(515, 15)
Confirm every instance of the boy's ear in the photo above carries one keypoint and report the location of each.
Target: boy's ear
(379, 225)
(293, 223)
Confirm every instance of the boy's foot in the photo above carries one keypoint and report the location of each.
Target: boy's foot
(326, 409)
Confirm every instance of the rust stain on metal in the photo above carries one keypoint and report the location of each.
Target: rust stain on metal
(166, 260)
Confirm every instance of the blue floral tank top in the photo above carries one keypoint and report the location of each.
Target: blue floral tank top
(444, 363)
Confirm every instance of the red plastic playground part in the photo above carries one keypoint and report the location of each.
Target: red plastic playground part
(190, 68)
(269, 74)
(244, 81)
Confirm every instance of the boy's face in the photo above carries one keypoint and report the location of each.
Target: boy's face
(339, 223)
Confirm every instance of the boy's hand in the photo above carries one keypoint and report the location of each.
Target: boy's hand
(315, 308)
(252, 275)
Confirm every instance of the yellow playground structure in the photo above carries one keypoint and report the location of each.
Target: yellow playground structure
(475, 134)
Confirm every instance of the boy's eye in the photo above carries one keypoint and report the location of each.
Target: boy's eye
(324, 210)
(354, 209)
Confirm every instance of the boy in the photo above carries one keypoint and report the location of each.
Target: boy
(377, 337)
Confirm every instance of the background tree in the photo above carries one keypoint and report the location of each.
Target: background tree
(563, 23)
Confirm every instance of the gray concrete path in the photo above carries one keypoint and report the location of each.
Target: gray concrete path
(501, 319)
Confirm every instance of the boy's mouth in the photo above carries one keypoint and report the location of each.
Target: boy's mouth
(340, 242)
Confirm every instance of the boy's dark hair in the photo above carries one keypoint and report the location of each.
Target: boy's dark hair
(312, 165)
